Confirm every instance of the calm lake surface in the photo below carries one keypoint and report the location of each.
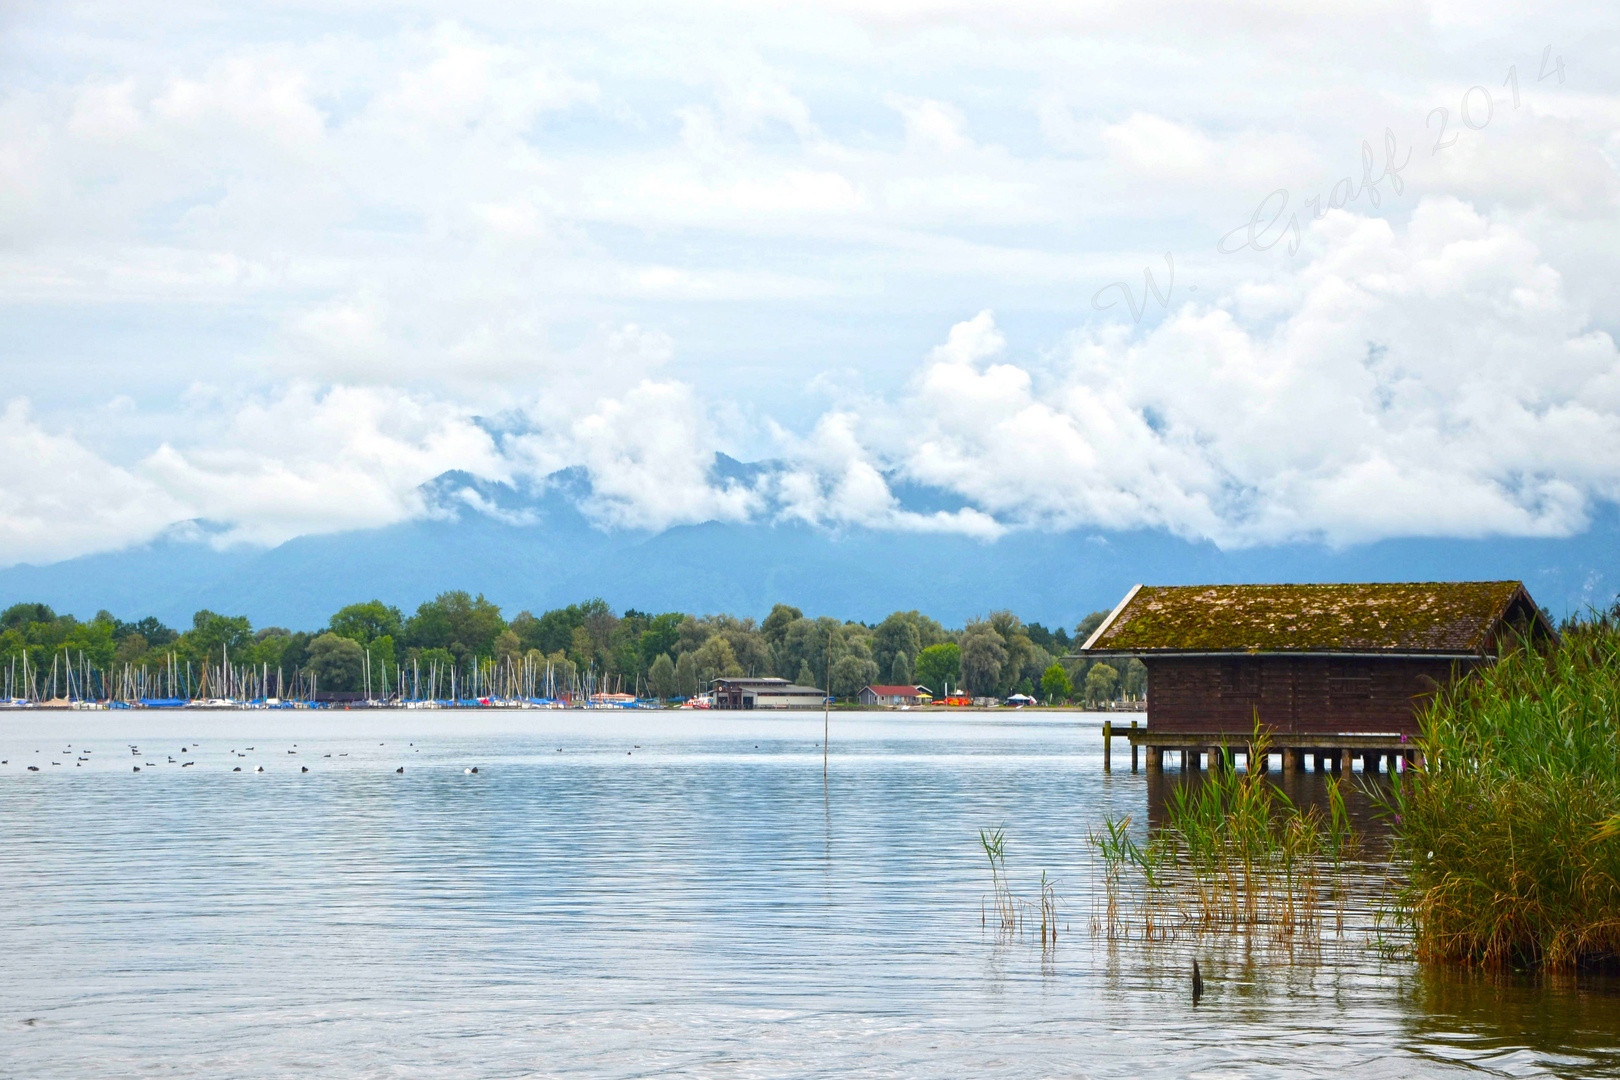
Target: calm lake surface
(630, 894)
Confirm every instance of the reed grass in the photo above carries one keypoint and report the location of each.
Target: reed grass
(1509, 829)
(1012, 911)
(1234, 853)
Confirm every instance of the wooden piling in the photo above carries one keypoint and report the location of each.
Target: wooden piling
(1133, 747)
(1108, 746)
(1155, 760)
(1290, 762)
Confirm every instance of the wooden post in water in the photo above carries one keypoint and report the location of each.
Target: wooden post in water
(1108, 746)
(1290, 761)
(1133, 747)
(1155, 759)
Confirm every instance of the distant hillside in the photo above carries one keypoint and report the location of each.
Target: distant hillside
(539, 551)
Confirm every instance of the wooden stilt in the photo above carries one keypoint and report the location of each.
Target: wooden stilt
(1155, 759)
(1108, 746)
(1133, 747)
(1290, 761)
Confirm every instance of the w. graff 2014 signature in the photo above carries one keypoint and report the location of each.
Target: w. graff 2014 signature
(1254, 234)
(1475, 100)
(1343, 193)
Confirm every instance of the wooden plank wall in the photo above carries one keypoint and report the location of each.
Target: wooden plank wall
(1299, 694)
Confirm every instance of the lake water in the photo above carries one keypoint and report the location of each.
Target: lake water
(629, 894)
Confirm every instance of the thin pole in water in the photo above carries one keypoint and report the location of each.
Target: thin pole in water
(826, 715)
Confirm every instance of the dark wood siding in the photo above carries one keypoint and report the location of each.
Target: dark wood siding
(1291, 694)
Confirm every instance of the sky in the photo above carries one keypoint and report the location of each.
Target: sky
(1253, 273)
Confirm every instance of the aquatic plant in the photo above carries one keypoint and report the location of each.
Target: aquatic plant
(1509, 828)
(1233, 853)
(1010, 909)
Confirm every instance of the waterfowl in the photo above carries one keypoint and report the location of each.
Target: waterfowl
(259, 769)
(137, 768)
(304, 769)
(400, 769)
(33, 768)
(237, 769)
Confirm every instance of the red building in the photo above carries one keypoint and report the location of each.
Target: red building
(1328, 670)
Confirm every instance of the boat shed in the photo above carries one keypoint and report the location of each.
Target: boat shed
(893, 696)
(740, 693)
(1331, 668)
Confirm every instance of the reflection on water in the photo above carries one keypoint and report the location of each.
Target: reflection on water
(624, 894)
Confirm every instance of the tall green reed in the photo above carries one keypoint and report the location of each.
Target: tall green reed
(1234, 852)
(1509, 831)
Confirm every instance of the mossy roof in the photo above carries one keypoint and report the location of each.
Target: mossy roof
(1437, 617)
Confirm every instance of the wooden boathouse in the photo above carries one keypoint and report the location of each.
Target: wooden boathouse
(1330, 671)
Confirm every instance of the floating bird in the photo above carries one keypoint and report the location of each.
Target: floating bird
(237, 769)
(471, 770)
(250, 748)
(1198, 983)
(400, 769)
(187, 764)
(292, 751)
(137, 768)
(33, 768)
(305, 768)
(259, 769)
(326, 755)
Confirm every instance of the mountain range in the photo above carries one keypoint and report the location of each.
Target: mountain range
(538, 549)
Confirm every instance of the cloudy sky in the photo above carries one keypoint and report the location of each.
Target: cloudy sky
(274, 266)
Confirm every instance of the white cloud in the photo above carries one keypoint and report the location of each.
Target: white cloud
(1432, 382)
(58, 500)
(622, 223)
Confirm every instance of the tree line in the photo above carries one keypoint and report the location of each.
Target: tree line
(672, 654)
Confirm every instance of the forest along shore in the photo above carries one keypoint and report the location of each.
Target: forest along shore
(460, 650)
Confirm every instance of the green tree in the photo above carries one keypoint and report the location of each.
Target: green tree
(1135, 678)
(661, 676)
(1055, 684)
(1101, 682)
(716, 659)
(19, 616)
(366, 622)
(211, 634)
(807, 677)
(900, 670)
(456, 620)
(508, 647)
(940, 667)
(336, 662)
(660, 635)
(686, 675)
(896, 634)
(851, 673)
(984, 652)
(776, 623)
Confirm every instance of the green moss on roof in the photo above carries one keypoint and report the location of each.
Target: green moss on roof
(1420, 617)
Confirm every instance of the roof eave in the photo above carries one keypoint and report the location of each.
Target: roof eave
(1238, 654)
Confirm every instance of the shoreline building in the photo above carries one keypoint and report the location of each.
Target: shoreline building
(1328, 671)
(741, 693)
(893, 696)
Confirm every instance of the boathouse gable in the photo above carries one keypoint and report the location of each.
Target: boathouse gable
(1309, 659)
